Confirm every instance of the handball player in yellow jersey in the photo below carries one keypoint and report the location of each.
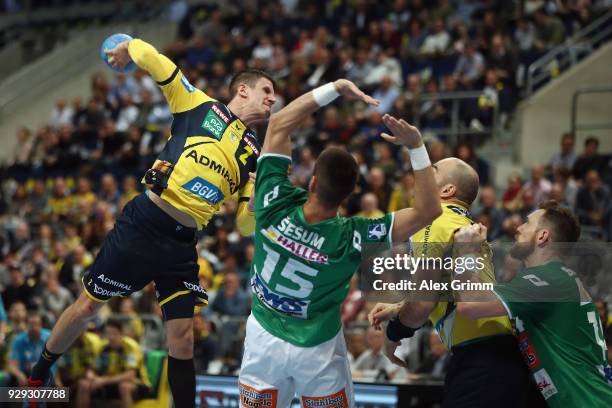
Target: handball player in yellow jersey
(208, 158)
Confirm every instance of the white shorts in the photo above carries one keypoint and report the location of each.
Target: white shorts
(273, 371)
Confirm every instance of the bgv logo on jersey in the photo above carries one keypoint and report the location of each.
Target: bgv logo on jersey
(280, 303)
(545, 383)
(376, 231)
(205, 190)
(190, 88)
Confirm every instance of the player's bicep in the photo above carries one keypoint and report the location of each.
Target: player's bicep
(180, 94)
(407, 222)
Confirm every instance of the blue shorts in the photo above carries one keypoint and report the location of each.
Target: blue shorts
(145, 245)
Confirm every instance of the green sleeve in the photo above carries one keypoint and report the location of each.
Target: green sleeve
(376, 231)
(274, 193)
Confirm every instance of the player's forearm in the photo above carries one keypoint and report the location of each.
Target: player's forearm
(426, 196)
(415, 313)
(245, 219)
(148, 58)
(126, 376)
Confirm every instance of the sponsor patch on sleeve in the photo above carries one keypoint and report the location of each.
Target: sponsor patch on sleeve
(250, 397)
(190, 88)
(376, 231)
(337, 400)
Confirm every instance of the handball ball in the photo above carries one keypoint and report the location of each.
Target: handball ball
(110, 43)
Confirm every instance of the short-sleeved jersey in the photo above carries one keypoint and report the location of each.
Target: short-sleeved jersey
(436, 240)
(562, 340)
(25, 351)
(300, 273)
(81, 356)
(113, 361)
(210, 152)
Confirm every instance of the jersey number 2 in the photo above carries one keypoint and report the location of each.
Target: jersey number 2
(245, 156)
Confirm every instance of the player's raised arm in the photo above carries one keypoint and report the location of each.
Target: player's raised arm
(181, 95)
(287, 119)
(427, 201)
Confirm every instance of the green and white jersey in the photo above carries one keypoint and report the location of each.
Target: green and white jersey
(300, 273)
(562, 341)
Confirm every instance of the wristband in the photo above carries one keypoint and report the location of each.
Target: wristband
(396, 331)
(419, 158)
(325, 94)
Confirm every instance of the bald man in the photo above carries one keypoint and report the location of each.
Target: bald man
(486, 367)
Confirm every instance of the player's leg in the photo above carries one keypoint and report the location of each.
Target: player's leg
(83, 393)
(72, 322)
(322, 374)
(263, 380)
(181, 370)
(126, 389)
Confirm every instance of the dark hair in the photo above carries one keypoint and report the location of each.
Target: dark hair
(114, 323)
(590, 140)
(250, 77)
(336, 171)
(564, 224)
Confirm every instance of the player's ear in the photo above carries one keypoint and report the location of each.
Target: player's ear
(543, 236)
(312, 185)
(243, 90)
(448, 191)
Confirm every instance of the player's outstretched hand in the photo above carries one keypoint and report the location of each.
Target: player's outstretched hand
(470, 238)
(119, 56)
(347, 88)
(389, 349)
(383, 312)
(403, 132)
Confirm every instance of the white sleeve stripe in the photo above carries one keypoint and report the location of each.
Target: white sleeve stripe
(390, 236)
(504, 303)
(282, 156)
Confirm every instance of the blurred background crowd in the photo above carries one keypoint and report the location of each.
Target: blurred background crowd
(67, 181)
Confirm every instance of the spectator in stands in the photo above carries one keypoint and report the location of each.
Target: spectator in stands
(80, 358)
(557, 193)
(372, 364)
(370, 207)
(438, 40)
(502, 60)
(62, 114)
(19, 290)
(488, 207)
(55, 298)
(109, 192)
(133, 326)
(550, 31)
(590, 159)
(25, 348)
(18, 318)
(524, 34)
(120, 372)
(538, 185)
(512, 196)
(232, 299)
(60, 201)
(204, 347)
(21, 159)
(566, 157)
(563, 176)
(386, 93)
(379, 186)
(465, 151)
(470, 66)
(301, 173)
(436, 361)
(528, 203)
(403, 194)
(592, 200)
(3, 324)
